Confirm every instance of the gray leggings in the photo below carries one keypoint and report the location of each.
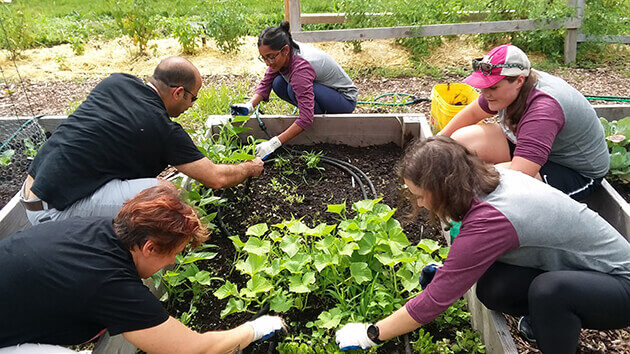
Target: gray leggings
(559, 303)
(105, 201)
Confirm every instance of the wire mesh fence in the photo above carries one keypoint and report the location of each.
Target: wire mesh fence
(21, 139)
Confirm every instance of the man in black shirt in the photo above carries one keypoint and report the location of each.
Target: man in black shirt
(67, 281)
(116, 143)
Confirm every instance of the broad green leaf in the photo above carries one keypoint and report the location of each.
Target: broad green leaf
(257, 246)
(325, 244)
(299, 227)
(252, 265)
(336, 208)
(322, 260)
(443, 252)
(280, 303)
(233, 306)
(290, 245)
(209, 200)
(408, 279)
(298, 263)
(203, 277)
(386, 259)
(321, 230)
(329, 319)
(397, 241)
(257, 284)
(348, 225)
(354, 235)
(300, 284)
(238, 244)
(257, 230)
(274, 268)
(366, 243)
(347, 248)
(428, 245)
(238, 119)
(197, 256)
(405, 257)
(365, 205)
(360, 272)
(275, 236)
(227, 289)
(385, 216)
(623, 126)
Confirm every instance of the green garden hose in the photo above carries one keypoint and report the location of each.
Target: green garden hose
(414, 99)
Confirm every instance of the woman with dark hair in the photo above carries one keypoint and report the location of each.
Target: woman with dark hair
(302, 75)
(67, 282)
(531, 249)
(546, 129)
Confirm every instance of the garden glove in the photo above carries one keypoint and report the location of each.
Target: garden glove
(241, 109)
(265, 149)
(427, 274)
(266, 326)
(353, 336)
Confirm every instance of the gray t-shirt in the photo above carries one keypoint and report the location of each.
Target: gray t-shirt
(527, 223)
(558, 125)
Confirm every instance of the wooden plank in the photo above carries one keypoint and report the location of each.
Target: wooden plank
(612, 111)
(430, 30)
(294, 16)
(570, 38)
(581, 37)
(287, 15)
(13, 217)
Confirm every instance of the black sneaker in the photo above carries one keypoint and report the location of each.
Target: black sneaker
(525, 329)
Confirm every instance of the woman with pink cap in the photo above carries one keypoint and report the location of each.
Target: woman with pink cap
(546, 129)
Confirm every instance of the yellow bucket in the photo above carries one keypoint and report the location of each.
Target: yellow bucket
(446, 101)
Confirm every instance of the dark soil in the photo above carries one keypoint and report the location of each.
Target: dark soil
(271, 198)
(622, 188)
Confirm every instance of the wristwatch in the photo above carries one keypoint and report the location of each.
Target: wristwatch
(373, 333)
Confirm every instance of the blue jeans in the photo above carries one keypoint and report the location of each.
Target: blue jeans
(327, 100)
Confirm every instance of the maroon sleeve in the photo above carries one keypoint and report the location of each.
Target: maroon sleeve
(485, 235)
(264, 88)
(302, 77)
(483, 103)
(542, 120)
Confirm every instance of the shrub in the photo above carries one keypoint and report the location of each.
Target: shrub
(226, 23)
(17, 31)
(136, 18)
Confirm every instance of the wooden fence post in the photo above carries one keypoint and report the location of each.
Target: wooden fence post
(295, 13)
(571, 38)
(286, 11)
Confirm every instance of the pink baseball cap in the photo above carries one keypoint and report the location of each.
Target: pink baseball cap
(504, 60)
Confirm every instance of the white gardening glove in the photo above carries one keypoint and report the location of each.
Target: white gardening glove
(264, 149)
(353, 336)
(266, 326)
(241, 109)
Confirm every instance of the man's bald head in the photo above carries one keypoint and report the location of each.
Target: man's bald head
(176, 71)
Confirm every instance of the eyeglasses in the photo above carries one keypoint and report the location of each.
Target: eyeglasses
(193, 98)
(486, 68)
(269, 58)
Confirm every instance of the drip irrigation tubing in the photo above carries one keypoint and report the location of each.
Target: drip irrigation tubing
(608, 98)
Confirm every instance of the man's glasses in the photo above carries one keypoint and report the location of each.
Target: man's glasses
(193, 97)
(486, 68)
(269, 58)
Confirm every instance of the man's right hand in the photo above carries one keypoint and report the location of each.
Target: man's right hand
(255, 167)
(241, 109)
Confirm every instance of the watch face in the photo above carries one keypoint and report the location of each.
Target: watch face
(373, 333)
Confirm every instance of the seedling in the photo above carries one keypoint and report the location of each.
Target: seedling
(6, 157)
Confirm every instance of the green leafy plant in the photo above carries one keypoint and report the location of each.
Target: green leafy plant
(312, 159)
(363, 267)
(6, 157)
(136, 18)
(17, 30)
(424, 344)
(455, 316)
(187, 33)
(618, 139)
(30, 148)
(226, 24)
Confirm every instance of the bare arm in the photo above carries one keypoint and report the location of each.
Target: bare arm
(172, 337)
(290, 133)
(399, 322)
(220, 175)
(523, 165)
(256, 100)
(469, 115)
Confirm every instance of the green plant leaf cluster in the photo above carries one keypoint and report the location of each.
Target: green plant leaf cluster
(136, 19)
(361, 269)
(618, 140)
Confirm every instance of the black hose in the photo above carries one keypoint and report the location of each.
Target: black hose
(357, 170)
(344, 168)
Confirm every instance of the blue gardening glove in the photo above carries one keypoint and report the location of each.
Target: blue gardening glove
(241, 109)
(266, 326)
(353, 336)
(264, 149)
(427, 274)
